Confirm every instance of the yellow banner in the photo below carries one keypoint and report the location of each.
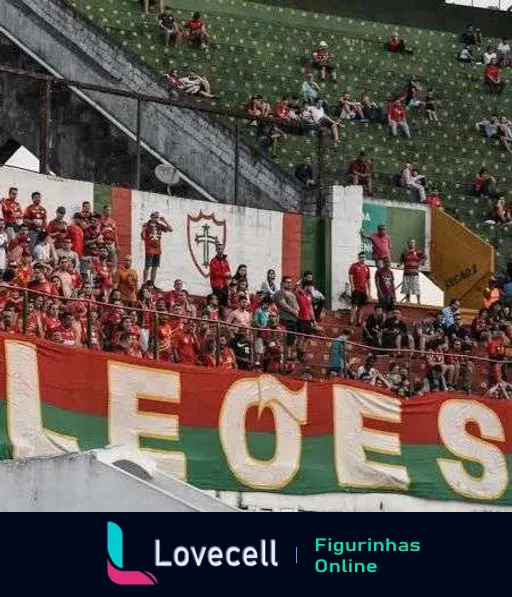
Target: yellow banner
(461, 262)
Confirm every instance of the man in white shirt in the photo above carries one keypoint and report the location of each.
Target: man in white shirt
(489, 55)
(504, 52)
(412, 180)
(316, 114)
(67, 252)
(310, 89)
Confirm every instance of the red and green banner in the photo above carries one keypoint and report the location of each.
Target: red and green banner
(248, 432)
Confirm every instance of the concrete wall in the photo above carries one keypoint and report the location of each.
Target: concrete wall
(199, 147)
(84, 144)
(82, 482)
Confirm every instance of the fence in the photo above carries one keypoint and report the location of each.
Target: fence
(225, 344)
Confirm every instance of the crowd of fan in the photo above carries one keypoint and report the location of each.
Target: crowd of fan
(442, 342)
(63, 283)
(77, 294)
(310, 107)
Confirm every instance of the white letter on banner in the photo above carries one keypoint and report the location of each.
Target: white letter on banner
(352, 439)
(492, 482)
(24, 420)
(127, 386)
(289, 409)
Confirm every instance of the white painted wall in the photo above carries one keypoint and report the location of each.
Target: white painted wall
(347, 221)
(431, 294)
(55, 191)
(256, 234)
(346, 241)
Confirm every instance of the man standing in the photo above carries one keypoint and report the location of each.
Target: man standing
(220, 275)
(412, 259)
(108, 230)
(58, 228)
(359, 278)
(127, 281)
(381, 244)
(385, 283)
(35, 218)
(12, 213)
(306, 323)
(286, 302)
(152, 236)
(76, 234)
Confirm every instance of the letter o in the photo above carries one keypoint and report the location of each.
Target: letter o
(181, 561)
(289, 409)
(317, 565)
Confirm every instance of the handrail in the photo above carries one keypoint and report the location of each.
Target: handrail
(220, 325)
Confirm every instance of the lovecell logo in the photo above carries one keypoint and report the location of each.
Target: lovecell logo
(115, 570)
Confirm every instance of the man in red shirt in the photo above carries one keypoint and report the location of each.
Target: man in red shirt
(493, 78)
(359, 278)
(381, 244)
(360, 172)
(12, 212)
(35, 218)
(67, 330)
(186, 344)
(86, 212)
(220, 276)
(497, 352)
(58, 228)
(385, 284)
(321, 60)
(152, 237)
(282, 111)
(108, 230)
(195, 31)
(227, 359)
(306, 323)
(412, 258)
(19, 245)
(396, 44)
(102, 270)
(397, 119)
(40, 283)
(433, 200)
(76, 234)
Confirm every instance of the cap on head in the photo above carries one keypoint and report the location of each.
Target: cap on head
(322, 44)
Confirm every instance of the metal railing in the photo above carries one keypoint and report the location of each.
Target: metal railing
(272, 349)
(54, 121)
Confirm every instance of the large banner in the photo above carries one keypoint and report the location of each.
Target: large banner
(225, 430)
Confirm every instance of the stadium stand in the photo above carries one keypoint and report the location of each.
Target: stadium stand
(263, 49)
